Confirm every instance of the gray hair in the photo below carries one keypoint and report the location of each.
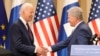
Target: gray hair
(77, 12)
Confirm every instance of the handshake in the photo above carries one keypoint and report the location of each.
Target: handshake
(42, 51)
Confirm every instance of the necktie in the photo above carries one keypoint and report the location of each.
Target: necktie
(30, 32)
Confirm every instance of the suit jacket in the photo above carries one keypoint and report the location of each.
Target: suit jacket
(80, 36)
(21, 44)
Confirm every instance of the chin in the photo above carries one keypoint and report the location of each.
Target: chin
(71, 25)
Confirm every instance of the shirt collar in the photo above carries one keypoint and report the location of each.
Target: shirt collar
(23, 21)
(77, 24)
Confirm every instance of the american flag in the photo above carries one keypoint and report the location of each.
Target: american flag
(94, 17)
(45, 27)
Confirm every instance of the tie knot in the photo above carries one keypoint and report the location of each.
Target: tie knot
(27, 24)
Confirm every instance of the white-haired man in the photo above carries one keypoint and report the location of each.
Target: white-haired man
(81, 34)
(22, 40)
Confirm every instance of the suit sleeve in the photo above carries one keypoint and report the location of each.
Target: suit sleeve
(60, 45)
(15, 34)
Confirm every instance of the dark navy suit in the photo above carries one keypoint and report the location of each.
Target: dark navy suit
(21, 44)
(80, 36)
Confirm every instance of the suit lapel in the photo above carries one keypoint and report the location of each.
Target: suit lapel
(21, 24)
(24, 29)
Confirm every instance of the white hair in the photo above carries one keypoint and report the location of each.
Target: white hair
(24, 7)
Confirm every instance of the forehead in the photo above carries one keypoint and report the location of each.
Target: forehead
(70, 15)
(29, 9)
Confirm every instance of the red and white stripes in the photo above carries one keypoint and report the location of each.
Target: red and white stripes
(46, 31)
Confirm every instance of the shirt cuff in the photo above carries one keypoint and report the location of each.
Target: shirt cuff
(49, 49)
(35, 49)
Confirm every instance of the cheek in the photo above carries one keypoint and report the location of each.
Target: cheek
(31, 16)
(73, 21)
(26, 15)
(70, 20)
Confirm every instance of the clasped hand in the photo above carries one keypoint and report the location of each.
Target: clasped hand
(42, 51)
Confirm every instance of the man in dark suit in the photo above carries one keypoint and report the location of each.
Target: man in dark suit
(22, 40)
(81, 34)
